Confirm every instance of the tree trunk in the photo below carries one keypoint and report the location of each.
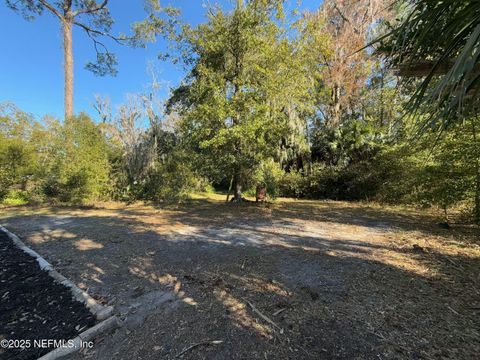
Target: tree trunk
(382, 86)
(336, 105)
(476, 154)
(229, 189)
(68, 65)
(237, 186)
(477, 194)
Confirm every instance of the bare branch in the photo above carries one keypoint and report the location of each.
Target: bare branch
(102, 106)
(335, 6)
(90, 31)
(96, 43)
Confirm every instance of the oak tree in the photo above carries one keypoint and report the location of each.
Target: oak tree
(246, 80)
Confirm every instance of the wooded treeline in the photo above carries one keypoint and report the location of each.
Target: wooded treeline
(294, 101)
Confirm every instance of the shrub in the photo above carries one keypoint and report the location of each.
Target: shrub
(78, 187)
(293, 184)
(172, 180)
(268, 174)
(16, 197)
(353, 182)
(17, 164)
(52, 188)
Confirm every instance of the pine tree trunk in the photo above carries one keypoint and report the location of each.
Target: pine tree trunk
(68, 65)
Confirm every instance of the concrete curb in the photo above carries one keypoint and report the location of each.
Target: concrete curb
(101, 313)
(106, 325)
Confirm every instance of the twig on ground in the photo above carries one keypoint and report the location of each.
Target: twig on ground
(305, 351)
(278, 312)
(207, 342)
(263, 316)
(455, 312)
(455, 264)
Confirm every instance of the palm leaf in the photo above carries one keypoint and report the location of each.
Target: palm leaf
(441, 31)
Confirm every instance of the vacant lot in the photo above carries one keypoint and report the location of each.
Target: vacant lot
(296, 279)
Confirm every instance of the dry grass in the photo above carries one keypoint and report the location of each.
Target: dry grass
(351, 280)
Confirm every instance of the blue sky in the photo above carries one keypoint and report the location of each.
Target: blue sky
(31, 74)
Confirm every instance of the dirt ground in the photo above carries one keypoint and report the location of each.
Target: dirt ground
(290, 280)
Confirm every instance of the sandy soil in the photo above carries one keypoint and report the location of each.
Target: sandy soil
(292, 280)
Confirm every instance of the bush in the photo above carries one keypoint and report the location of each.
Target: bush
(52, 188)
(3, 186)
(78, 187)
(201, 184)
(78, 167)
(269, 175)
(171, 181)
(429, 176)
(17, 164)
(353, 182)
(16, 197)
(358, 181)
(293, 184)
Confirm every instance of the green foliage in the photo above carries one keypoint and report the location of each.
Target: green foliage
(66, 162)
(245, 75)
(353, 141)
(353, 182)
(81, 169)
(293, 184)
(271, 100)
(438, 42)
(119, 183)
(17, 162)
(269, 174)
(436, 172)
(170, 182)
(16, 197)
(446, 34)
(398, 166)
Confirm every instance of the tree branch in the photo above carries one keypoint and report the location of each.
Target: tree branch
(96, 43)
(107, 53)
(91, 31)
(89, 11)
(51, 9)
(344, 18)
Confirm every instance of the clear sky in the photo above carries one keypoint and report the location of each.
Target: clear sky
(31, 60)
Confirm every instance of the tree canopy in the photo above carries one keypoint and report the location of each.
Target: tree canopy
(302, 104)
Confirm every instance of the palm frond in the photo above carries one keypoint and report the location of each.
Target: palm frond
(442, 32)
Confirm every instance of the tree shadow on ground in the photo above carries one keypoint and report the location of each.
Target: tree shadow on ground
(332, 296)
(348, 213)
